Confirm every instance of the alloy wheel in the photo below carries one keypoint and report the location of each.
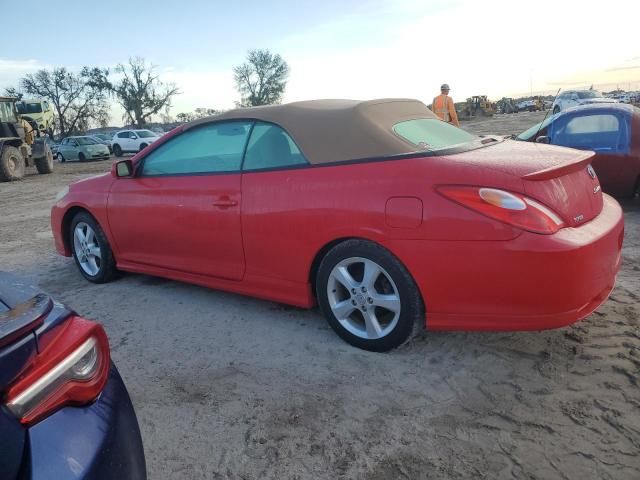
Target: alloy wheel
(87, 249)
(364, 298)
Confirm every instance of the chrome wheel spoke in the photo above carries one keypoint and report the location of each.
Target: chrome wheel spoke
(342, 275)
(95, 251)
(371, 273)
(374, 330)
(79, 234)
(343, 309)
(388, 302)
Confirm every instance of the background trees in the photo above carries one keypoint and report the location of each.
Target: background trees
(77, 98)
(140, 91)
(82, 99)
(261, 80)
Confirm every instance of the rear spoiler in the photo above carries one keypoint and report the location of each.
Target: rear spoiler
(562, 169)
(23, 318)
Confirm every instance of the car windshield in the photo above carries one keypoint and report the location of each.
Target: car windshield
(589, 94)
(85, 141)
(102, 136)
(145, 133)
(529, 133)
(432, 134)
(25, 107)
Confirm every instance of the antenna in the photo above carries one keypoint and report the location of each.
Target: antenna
(545, 115)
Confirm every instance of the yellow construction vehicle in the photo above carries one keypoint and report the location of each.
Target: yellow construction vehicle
(476, 106)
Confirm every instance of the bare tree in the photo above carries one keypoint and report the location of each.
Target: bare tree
(185, 117)
(13, 92)
(78, 98)
(261, 80)
(140, 91)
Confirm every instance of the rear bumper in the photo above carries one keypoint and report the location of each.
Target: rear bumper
(532, 282)
(100, 441)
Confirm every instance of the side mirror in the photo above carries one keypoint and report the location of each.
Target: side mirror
(124, 168)
(543, 139)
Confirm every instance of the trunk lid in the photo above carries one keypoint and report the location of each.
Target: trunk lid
(558, 177)
(22, 310)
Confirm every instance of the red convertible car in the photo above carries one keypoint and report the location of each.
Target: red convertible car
(382, 214)
(610, 130)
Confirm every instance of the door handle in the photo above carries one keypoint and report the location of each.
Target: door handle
(225, 202)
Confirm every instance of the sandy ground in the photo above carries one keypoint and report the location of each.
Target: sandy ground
(231, 387)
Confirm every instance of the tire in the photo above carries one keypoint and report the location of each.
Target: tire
(387, 326)
(96, 269)
(142, 146)
(556, 109)
(117, 150)
(81, 157)
(11, 164)
(44, 164)
(60, 157)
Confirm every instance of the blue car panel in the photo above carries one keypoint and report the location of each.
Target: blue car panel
(99, 441)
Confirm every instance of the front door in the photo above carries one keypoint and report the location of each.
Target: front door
(181, 211)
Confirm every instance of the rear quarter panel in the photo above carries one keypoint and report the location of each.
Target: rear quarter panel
(288, 216)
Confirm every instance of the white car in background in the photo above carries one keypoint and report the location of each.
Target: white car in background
(132, 141)
(573, 98)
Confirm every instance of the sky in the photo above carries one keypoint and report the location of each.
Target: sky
(359, 49)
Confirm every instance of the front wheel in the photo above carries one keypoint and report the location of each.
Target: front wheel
(368, 297)
(11, 164)
(556, 109)
(81, 157)
(142, 146)
(60, 157)
(117, 150)
(45, 164)
(91, 249)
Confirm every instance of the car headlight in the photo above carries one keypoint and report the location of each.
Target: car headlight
(62, 193)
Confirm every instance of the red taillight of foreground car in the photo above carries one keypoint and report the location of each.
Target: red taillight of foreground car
(72, 370)
(508, 207)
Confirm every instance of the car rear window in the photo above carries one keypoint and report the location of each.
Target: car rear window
(432, 134)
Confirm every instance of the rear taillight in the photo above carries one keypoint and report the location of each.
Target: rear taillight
(72, 370)
(508, 207)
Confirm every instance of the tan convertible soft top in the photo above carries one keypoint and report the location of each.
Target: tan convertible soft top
(338, 130)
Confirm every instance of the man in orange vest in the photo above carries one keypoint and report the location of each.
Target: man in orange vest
(444, 108)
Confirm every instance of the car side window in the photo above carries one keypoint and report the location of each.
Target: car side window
(210, 148)
(271, 147)
(123, 135)
(602, 132)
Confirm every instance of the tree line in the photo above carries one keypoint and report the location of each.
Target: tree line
(80, 99)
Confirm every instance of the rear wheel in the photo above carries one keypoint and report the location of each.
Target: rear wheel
(117, 150)
(91, 249)
(45, 164)
(368, 297)
(11, 164)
